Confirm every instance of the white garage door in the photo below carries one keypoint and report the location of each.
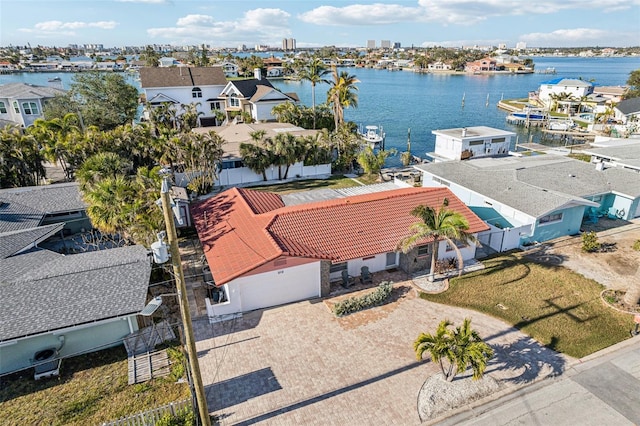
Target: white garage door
(280, 287)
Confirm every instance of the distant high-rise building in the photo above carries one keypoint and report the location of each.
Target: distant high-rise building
(385, 44)
(396, 45)
(521, 45)
(371, 44)
(288, 44)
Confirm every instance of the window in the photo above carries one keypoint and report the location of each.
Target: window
(478, 142)
(550, 218)
(440, 181)
(30, 108)
(338, 267)
(196, 92)
(3, 108)
(424, 250)
(233, 164)
(459, 244)
(498, 140)
(391, 259)
(16, 108)
(217, 105)
(234, 102)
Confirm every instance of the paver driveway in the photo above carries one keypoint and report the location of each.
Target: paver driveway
(298, 364)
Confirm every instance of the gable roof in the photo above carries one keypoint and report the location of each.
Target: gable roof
(16, 241)
(535, 185)
(48, 291)
(627, 155)
(241, 229)
(28, 91)
(181, 77)
(629, 106)
(24, 208)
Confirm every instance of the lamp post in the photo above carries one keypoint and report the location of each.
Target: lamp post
(201, 399)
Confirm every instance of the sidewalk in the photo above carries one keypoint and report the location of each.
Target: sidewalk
(602, 388)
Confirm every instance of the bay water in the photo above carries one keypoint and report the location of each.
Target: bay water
(403, 100)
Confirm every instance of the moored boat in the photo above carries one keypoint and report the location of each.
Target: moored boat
(531, 114)
(54, 79)
(373, 136)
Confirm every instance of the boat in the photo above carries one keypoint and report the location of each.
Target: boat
(54, 79)
(530, 113)
(373, 136)
(562, 125)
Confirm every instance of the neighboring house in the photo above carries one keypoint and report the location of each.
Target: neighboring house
(22, 103)
(613, 94)
(263, 253)
(275, 72)
(575, 88)
(185, 85)
(256, 97)
(34, 206)
(69, 304)
(233, 171)
(626, 156)
(537, 198)
(628, 110)
(483, 65)
(230, 69)
(166, 62)
(439, 66)
(470, 142)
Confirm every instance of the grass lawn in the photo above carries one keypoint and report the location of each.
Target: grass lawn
(91, 389)
(334, 182)
(552, 304)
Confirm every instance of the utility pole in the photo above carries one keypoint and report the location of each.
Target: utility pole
(201, 398)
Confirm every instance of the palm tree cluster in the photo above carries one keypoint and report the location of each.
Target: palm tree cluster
(21, 160)
(436, 224)
(455, 349)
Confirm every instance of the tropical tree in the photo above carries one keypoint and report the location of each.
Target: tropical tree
(342, 94)
(255, 156)
(286, 149)
(99, 167)
(20, 159)
(314, 72)
(455, 349)
(372, 162)
(634, 85)
(62, 141)
(199, 155)
(150, 57)
(438, 224)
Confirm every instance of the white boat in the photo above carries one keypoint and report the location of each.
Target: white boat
(54, 79)
(373, 136)
(563, 125)
(531, 114)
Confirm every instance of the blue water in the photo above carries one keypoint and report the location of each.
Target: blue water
(399, 100)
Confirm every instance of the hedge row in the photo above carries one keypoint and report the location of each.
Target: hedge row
(355, 304)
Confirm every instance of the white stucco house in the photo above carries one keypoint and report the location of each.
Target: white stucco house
(262, 252)
(185, 85)
(471, 142)
(22, 103)
(574, 87)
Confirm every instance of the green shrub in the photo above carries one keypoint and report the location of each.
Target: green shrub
(636, 245)
(184, 417)
(355, 304)
(590, 242)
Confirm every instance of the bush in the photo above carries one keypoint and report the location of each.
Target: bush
(590, 242)
(636, 245)
(355, 304)
(446, 265)
(184, 417)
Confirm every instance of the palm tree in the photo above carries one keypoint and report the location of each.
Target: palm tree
(100, 166)
(455, 350)
(20, 159)
(342, 94)
(372, 162)
(313, 72)
(438, 224)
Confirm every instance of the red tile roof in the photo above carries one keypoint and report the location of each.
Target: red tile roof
(242, 229)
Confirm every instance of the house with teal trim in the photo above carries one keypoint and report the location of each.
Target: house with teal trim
(537, 198)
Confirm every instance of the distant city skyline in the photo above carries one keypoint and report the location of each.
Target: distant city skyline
(419, 23)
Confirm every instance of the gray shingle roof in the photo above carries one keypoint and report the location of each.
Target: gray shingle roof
(536, 185)
(28, 91)
(181, 77)
(15, 241)
(628, 155)
(629, 106)
(58, 291)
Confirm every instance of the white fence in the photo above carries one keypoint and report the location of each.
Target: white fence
(150, 417)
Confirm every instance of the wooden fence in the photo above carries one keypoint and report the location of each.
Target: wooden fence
(150, 417)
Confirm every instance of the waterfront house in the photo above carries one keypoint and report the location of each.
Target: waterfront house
(470, 142)
(230, 69)
(628, 111)
(263, 253)
(255, 97)
(573, 89)
(439, 66)
(232, 169)
(200, 86)
(22, 103)
(483, 65)
(536, 198)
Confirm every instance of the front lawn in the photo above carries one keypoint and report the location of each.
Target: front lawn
(91, 389)
(552, 304)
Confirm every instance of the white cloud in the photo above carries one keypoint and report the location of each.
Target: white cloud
(76, 25)
(460, 12)
(267, 26)
(573, 37)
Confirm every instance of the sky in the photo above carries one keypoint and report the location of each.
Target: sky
(341, 23)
